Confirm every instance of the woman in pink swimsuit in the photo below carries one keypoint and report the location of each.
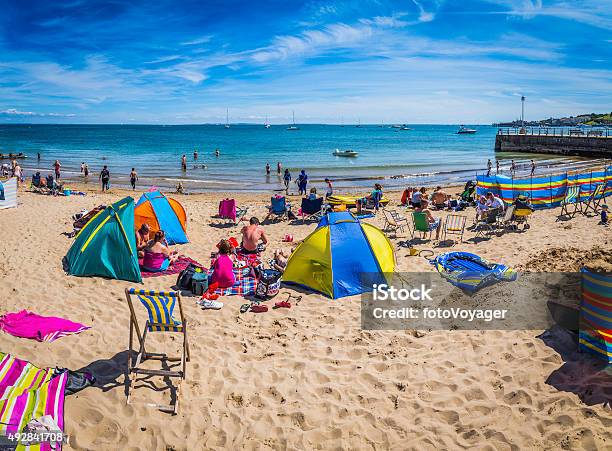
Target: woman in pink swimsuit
(157, 255)
(223, 267)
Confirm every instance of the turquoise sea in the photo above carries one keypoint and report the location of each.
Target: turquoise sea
(425, 155)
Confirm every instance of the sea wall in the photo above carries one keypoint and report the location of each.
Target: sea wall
(561, 145)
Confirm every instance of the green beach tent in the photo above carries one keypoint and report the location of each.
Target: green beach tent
(106, 246)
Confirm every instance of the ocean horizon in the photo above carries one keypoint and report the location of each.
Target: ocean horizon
(425, 155)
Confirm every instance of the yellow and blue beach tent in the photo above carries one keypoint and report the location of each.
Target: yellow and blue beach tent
(106, 246)
(342, 257)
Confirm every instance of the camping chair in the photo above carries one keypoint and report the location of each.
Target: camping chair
(421, 224)
(505, 221)
(572, 197)
(488, 224)
(595, 199)
(279, 208)
(230, 212)
(160, 306)
(394, 221)
(312, 210)
(454, 225)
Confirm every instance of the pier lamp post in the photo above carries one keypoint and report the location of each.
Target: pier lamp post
(522, 114)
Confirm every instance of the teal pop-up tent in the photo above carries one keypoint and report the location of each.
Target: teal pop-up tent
(106, 246)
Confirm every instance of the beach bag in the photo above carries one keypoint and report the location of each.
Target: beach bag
(185, 277)
(269, 284)
(199, 283)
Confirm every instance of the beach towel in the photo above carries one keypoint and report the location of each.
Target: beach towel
(26, 324)
(252, 260)
(245, 284)
(28, 393)
(174, 268)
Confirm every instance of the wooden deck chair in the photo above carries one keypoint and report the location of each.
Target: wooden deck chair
(454, 225)
(572, 197)
(394, 221)
(594, 200)
(160, 306)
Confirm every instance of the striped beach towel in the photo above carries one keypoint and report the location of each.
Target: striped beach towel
(596, 315)
(28, 392)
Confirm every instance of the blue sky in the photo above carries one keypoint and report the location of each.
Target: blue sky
(414, 61)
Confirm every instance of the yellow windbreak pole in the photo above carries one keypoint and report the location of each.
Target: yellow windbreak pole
(89, 222)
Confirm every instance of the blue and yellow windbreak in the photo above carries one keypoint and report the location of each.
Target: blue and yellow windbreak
(544, 192)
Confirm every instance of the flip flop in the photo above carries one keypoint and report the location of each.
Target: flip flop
(259, 308)
(245, 308)
(282, 304)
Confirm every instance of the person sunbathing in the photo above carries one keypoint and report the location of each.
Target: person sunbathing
(439, 198)
(434, 224)
(252, 234)
(157, 255)
(223, 274)
(142, 238)
(375, 197)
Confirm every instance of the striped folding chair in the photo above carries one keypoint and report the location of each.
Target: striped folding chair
(454, 225)
(160, 306)
(572, 197)
(594, 200)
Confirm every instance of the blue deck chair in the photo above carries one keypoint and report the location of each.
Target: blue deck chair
(594, 200)
(279, 208)
(160, 306)
(572, 197)
(312, 209)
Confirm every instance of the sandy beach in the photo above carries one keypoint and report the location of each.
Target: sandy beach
(309, 377)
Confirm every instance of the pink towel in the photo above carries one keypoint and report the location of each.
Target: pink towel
(227, 209)
(26, 324)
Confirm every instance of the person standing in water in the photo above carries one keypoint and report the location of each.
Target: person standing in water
(513, 168)
(82, 166)
(533, 167)
(38, 156)
(268, 169)
(195, 155)
(57, 167)
(302, 182)
(184, 162)
(287, 179)
(86, 170)
(497, 166)
(489, 166)
(217, 153)
(133, 178)
(105, 178)
(279, 168)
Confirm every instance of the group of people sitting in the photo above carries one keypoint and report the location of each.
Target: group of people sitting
(490, 205)
(437, 200)
(154, 251)
(47, 185)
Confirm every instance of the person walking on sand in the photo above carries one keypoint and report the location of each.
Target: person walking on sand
(489, 166)
(329, 191)
(287, 179)
(195, 155)
(497, 166)
(533, 167)
(105, 178)
(17, 172)
(268, 169)
(184, 162)
(57, 167)
(279, 168)
(133, 178)
(512, 168)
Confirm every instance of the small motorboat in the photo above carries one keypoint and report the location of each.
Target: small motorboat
(463, 130)
(345, 153)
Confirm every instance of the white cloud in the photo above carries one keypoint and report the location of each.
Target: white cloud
(16, 112)
(197, 41)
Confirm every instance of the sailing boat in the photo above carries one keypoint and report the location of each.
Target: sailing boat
(266, 125)
(227, 125)
(293, 127)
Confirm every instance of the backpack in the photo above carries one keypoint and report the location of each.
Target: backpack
(269, 284)
(184, 280)
(199, 283)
